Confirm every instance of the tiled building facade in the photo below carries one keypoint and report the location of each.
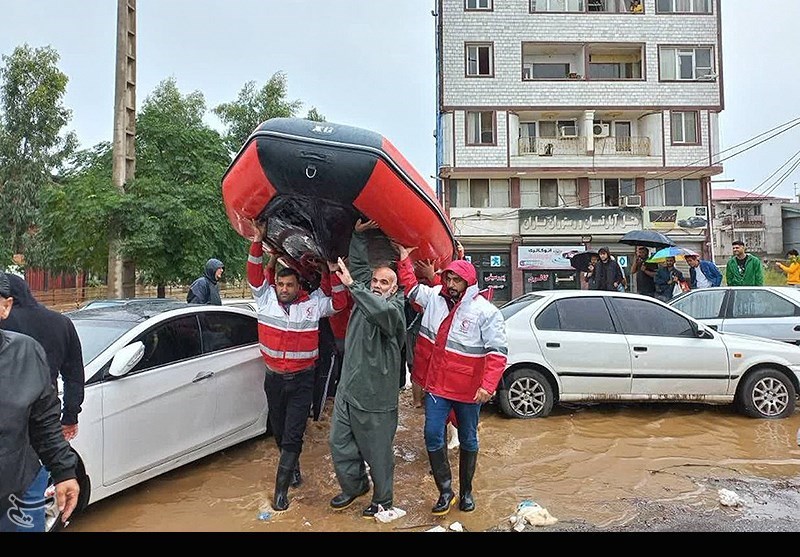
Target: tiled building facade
(564, 124)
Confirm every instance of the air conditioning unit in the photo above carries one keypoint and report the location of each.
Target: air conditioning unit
(568, 131)
(601, 130)
(631, 201)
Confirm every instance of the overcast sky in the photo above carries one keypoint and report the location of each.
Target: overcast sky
(371, 64)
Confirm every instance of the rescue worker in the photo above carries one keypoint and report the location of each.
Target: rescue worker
(365, 409)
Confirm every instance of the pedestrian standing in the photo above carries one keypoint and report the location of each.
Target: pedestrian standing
(365, 410)
(792, 270)
(57, 335)
(743, 269)
(205, 289)
(644, 272)
(32, 444)
(704, 274)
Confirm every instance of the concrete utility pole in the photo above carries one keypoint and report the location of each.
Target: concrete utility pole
(121, 272)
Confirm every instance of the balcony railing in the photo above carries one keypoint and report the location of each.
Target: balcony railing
(550, 146)
(627, 146)
(747, 221)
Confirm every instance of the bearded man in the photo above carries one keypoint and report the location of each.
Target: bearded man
(364, 418)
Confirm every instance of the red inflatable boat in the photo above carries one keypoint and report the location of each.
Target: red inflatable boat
(310, 182)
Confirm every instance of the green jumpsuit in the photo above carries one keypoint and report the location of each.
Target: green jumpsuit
(364, 418)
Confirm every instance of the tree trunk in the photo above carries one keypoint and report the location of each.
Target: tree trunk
(161, 291)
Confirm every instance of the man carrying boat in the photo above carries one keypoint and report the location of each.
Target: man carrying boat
(288, 322)
(364, 420)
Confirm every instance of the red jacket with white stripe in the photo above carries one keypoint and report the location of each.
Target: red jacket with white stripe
(457, 350)
(289, 335)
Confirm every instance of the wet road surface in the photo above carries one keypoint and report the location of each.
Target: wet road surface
(591, 466)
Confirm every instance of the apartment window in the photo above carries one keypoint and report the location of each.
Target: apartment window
(479, 60)
(686, 64)
(480, 193)
(558, 193)
(683, 6)
(684, 128)
(557, 5)
(607, 193)
(615, 70)
(673, 193)
(608, 6)
(480, 128)
(529, 193)
(551, 129)
(476, 5)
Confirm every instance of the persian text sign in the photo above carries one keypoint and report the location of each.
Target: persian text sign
(549, 258)
(557, 222)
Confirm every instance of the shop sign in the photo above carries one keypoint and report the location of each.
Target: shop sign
(581, 222)
(548, 258)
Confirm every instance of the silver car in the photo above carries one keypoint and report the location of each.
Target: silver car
(763, 311)
(595, 346)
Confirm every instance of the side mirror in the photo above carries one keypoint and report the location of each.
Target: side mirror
(126, 359)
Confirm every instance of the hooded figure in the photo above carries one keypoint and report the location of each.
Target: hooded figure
(459, 359)
(205, 290)
(57, 335)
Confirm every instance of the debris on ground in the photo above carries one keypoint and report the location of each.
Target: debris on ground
(729, 498)
(437, 529)
(388, 515)
(456, 527)
(530, 512)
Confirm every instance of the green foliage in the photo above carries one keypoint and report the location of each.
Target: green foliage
(314, 115)
(253, 107)
(32, 143)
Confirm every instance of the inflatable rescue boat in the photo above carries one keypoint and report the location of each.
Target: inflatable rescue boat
(311, 181)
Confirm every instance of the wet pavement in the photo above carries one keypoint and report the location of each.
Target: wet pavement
(609, 467)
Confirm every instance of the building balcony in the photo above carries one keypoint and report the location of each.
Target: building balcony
(578, 146)
(749, 222)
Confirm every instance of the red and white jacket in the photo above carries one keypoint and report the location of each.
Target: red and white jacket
(457, 351)
(289, 335)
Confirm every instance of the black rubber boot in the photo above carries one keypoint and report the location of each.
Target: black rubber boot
(444, 481)
(466, 469)
(297, 479)
(283, 478)
(342, 501)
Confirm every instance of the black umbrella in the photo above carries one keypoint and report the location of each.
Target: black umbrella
(649, 238)
(581, 261)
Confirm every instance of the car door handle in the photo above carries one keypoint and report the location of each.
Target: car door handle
(202, 376)
(640, 349)
(553, 345)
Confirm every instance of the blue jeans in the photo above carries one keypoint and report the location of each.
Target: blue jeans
(27, 512)
(436, 412)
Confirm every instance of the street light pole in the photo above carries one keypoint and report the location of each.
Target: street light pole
(121, 271)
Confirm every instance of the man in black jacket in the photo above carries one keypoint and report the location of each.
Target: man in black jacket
(205, 290)
(57, 335)
(30, 433)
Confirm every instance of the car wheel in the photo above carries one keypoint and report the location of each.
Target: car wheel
(767, 393)
(526, 394)
(52, 517)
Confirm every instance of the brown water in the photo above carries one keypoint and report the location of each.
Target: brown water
(588, 463)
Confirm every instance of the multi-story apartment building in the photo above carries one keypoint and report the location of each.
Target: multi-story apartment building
(564, 124)
(752, 218)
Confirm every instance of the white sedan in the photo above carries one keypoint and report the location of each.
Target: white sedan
(580, 346)
(166, 384)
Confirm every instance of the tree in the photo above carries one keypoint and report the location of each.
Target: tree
(32, 144)
(252, 107)
(314, 115)
(171, 218)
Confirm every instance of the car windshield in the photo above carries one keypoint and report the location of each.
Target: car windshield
(96, 335)
(514, 306)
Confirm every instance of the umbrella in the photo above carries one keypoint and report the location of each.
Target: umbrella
(649, 238)
(580, 261)
(678, 253)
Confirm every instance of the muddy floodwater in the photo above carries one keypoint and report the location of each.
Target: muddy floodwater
(597, 464)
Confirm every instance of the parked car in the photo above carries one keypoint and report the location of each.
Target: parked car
(167, 383)
(117, 302)
(244, 303)
(580, 346)
(764, 311)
